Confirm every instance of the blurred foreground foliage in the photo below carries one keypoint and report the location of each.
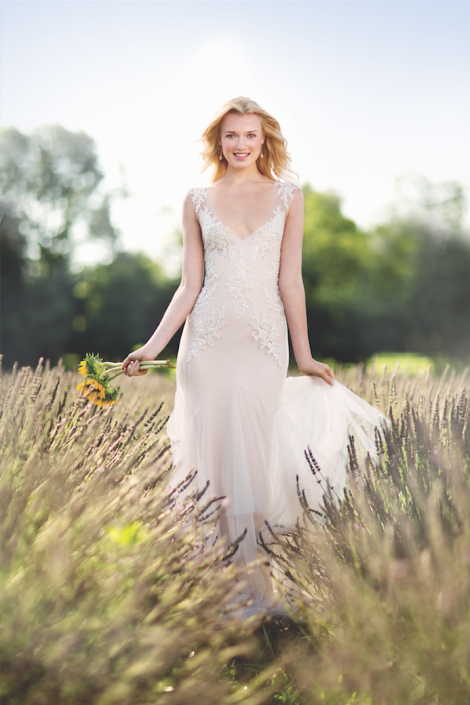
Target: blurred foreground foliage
(383, 582)
(402, 286)
(111, 595)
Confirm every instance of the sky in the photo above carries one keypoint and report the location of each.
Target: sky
(365, 91)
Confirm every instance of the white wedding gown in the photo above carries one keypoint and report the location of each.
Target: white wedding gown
(237, 419)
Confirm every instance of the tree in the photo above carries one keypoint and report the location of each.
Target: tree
(120, 305)
(49, 182)
(336, 259)
(403, 286)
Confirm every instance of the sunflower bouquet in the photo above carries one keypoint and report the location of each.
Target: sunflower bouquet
(98, 374)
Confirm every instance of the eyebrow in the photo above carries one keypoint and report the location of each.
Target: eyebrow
(226, 132)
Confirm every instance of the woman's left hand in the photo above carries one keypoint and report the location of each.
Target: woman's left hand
(131, 364)
(318, 369)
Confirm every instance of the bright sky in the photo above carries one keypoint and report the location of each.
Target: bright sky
(365, 91)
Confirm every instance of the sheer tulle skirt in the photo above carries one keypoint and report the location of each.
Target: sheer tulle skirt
(251, 450)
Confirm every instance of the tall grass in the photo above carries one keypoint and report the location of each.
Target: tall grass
(383, 584)
(111, 594)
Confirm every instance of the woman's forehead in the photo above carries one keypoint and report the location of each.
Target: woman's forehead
(237, 123)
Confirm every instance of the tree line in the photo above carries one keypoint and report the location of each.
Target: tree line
(401, 286)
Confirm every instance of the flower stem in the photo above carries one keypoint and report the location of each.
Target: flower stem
(144, 365)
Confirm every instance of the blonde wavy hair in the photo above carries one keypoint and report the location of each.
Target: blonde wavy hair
(276, 160)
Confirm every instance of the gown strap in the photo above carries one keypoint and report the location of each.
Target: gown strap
(285, 194)
(198, 196)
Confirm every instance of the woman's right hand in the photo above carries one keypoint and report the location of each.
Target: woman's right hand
(131, 364)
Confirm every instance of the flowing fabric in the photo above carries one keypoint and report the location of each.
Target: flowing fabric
(237, 419)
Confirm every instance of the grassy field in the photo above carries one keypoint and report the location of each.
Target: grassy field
(112, 594)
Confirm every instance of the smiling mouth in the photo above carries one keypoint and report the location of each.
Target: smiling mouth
(241, 155)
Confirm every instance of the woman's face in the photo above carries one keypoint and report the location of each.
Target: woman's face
(241, 139)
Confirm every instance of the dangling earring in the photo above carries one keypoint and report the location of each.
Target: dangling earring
(261, 155)
(220, 157)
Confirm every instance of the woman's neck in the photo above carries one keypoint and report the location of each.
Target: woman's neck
(242, 176)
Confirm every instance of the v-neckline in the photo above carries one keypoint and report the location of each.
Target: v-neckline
(227, 227)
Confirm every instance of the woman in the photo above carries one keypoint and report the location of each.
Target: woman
(237, 420)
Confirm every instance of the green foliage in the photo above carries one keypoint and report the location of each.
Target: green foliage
(115, 304)
(122, 303)
(48, 180)
(403, 286)
(37, 317)
(108, 594)
(49, 190)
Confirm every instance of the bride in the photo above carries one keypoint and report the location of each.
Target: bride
(237, 419)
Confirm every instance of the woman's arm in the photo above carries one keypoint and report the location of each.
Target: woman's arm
(185, 296)
(292, 291)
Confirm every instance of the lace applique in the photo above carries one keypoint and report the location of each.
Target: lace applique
(217, 235)
(211, 269)
(267, 333)
(271, 289)
(269, 235)
(211, 281)
(205, 295)
(198, 195)
(240, 286)
(206, 331)
(287, 193)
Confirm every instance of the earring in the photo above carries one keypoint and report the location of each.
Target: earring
(261, 155)
(220, 157)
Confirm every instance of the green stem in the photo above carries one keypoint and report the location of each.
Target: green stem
(116, 374)
(145, 365)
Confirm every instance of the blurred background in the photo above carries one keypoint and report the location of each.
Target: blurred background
(102, 107)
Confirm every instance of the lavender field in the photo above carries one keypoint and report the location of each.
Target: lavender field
(111, 594)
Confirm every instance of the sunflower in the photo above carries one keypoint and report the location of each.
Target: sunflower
(97, 385)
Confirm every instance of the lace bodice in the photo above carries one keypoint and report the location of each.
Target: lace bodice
(241, 276)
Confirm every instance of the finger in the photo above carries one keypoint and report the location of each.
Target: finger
(126, 362)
